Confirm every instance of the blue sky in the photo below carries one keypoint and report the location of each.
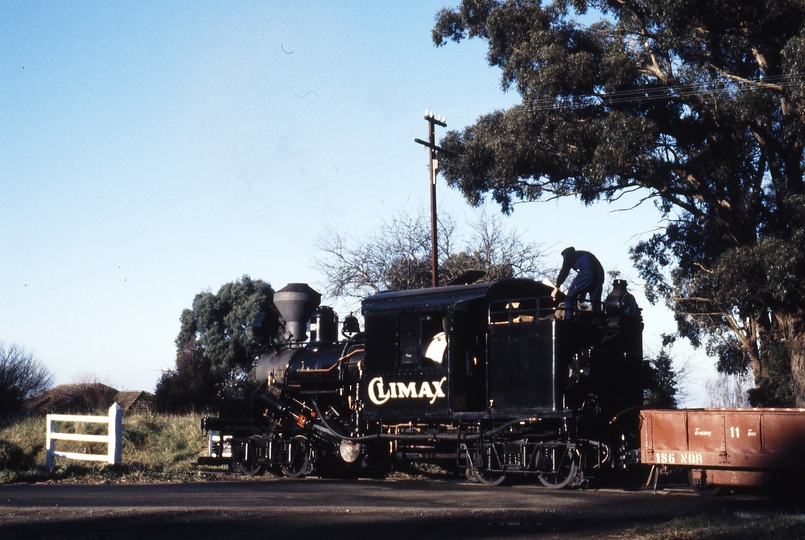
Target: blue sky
(153, 150)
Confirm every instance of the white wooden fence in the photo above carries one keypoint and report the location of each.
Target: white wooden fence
(113, 438)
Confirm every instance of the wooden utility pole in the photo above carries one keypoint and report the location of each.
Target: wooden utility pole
(433, 166)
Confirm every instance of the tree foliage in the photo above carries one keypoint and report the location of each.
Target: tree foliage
(218, 331)
(663, 388)
(398, 255)
(698, 106)
(191, 385)
(22, 376)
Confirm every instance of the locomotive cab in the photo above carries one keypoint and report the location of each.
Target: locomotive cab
(494, 350)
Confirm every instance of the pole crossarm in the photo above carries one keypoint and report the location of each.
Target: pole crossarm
(437, 148)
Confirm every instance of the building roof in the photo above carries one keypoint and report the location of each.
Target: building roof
(86, 397)
(130, 399)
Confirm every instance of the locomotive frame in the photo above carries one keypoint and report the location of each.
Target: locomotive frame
(494, 378)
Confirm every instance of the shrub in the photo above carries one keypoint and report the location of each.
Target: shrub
(21, 377)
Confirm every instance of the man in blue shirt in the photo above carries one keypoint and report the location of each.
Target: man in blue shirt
(589, 279)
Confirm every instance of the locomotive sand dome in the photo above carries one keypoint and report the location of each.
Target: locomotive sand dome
(482, 376)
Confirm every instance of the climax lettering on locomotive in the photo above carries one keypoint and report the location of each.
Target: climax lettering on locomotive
(380, 392)
(492, 378)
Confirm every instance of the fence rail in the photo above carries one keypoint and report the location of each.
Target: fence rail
(113, 438)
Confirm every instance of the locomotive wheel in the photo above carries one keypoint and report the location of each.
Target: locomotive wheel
(566, 471)
(249, 469)
(704, 491)
(297, 463)
(710, 491)
(479, 473)
(489, 478)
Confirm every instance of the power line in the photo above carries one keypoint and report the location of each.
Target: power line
(664, 92)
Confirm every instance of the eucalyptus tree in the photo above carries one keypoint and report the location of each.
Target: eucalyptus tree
(699, 107)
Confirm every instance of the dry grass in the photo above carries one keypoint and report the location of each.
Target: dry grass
(155, 448)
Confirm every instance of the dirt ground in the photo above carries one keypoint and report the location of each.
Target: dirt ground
(350, 510)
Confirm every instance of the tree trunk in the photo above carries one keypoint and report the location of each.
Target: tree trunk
(793, 329)
(796, 351)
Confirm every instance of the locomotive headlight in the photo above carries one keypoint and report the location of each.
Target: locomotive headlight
(349, 450)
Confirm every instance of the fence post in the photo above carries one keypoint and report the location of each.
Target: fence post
(115, 434)
(50, 461)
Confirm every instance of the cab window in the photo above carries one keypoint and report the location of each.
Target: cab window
(423, 341)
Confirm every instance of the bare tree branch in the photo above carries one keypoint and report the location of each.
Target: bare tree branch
(397, 257)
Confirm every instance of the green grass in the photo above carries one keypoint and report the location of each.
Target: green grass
(156, 447)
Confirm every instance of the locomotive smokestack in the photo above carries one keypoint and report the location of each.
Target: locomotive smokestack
(296, 302)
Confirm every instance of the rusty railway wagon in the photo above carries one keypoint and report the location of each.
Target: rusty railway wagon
(726, 447)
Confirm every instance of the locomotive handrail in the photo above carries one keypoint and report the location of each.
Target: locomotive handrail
(520, 310)
(337, 362)
(351, 353)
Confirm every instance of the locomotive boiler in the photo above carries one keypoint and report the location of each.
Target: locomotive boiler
(490, 378)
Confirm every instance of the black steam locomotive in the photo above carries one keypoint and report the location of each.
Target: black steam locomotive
(493, 378)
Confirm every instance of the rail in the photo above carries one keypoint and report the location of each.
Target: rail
(113, 438)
